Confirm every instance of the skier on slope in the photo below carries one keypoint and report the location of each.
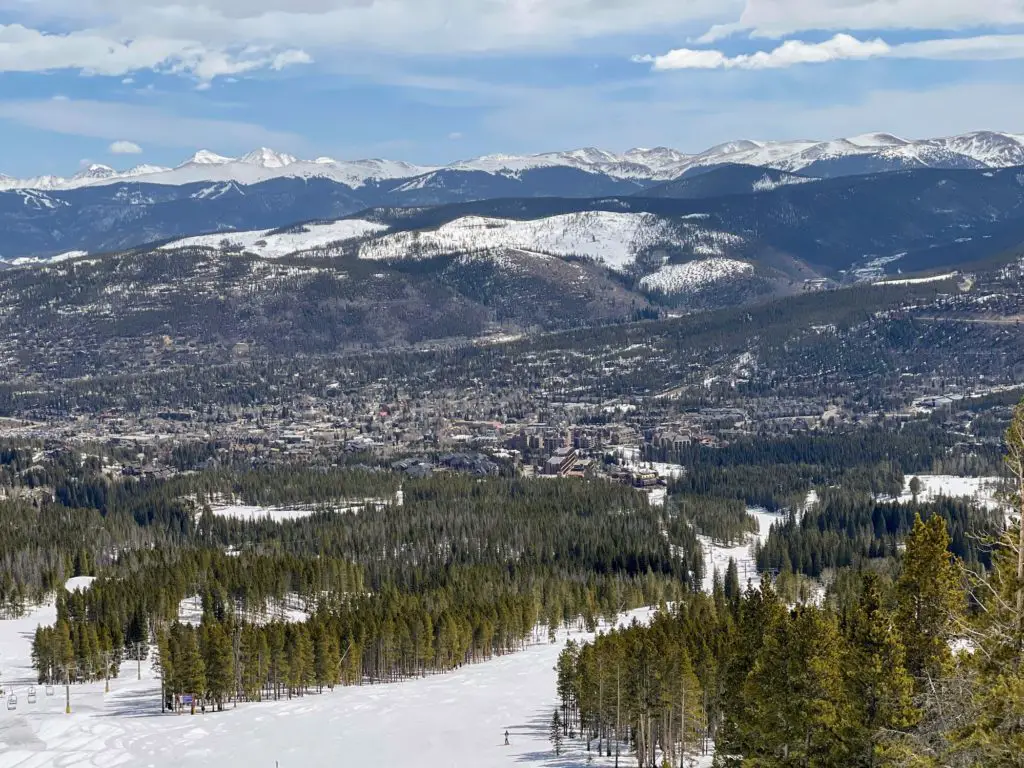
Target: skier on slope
(506, 737)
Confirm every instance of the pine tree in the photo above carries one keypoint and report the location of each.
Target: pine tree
(993, 734)
(759, 615)
(555, 733)
(733, 591)
(929, 597)
(219, 662)
(189, 663)
(800, 711)
(915, 488)
(880, 686)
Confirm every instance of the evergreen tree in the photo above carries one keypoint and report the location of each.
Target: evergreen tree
(219, 663)
(801, 712)
(555, 733)
(929, 597)
(881, 688)
(733, 592)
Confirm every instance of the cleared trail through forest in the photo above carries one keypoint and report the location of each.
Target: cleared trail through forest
(456, 720)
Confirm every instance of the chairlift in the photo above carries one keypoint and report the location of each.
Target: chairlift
(32, 695)
(12, 702)
(49, 690)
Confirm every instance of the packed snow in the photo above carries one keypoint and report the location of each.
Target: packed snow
(717, 557)
(458, 719)
(274, 246)
(694, 275)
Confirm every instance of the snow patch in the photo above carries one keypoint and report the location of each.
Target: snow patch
(695, 275)
(274, 246)
(79, 582)
(983, 491)
(919, 280)
(612, 239)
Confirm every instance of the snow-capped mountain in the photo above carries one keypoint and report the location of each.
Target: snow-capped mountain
(260, 165)
(866, 153)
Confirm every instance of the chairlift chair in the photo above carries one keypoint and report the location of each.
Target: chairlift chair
(12, 702)
(49, 690)
(32, 695)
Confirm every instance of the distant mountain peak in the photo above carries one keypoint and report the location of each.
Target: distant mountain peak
(206, 157)
(95, 171)
(877, 140)
(865, 153)
(268, 158)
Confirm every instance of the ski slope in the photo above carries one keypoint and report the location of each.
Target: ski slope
(446, 721)
(717, 557)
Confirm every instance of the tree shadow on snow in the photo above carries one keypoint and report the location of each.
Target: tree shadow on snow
(548, 758)
(133, 704)
(540, 726)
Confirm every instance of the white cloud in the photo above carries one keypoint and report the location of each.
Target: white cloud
(839, 48)
(777, 18)
(455, 136)
(151, 125)
(407, 27)
(788, 54)
(122, 147)
(983, 48)
(93, 52)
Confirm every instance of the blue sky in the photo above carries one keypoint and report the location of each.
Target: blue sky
(433, 81)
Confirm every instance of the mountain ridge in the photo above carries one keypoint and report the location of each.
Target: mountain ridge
(864, 153)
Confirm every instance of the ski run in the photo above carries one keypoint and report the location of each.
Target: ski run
(455, 720)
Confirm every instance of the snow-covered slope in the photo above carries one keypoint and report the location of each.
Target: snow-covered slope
(259, 165)
(272, 246)
(457, 720)
(694, 275)
(612, 239)
(857, 154)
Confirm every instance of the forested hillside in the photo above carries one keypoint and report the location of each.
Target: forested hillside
(912, 660)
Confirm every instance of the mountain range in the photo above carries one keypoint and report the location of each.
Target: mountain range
(867, 153)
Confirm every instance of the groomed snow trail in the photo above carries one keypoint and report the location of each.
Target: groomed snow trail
(445, 721)
(717, 556)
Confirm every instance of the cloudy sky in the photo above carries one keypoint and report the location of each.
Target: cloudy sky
(129, 81)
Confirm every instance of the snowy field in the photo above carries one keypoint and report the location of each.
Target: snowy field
(984, 491)
(297, 512)
(455, 720)
(262, 243)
